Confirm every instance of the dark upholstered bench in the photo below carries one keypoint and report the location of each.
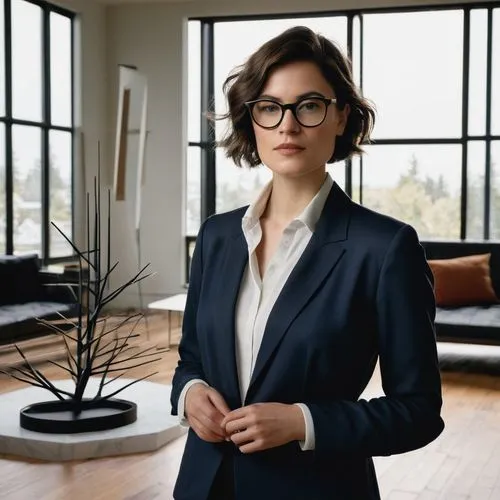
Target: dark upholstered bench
(26, 297)
(478, 323)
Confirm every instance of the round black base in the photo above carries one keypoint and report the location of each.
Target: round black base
(60, 417)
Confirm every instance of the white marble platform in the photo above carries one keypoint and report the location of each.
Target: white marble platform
(153, 428)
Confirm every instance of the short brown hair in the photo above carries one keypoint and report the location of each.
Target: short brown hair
(295, 44)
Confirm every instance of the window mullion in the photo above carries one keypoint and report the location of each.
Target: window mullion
(350, 51)
(45, 163)
(73, 135)
(9, 174)
(465, 123)
(487, 172)
(361, 45)
(208, 174)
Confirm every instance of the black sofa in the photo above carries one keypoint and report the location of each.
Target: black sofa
(478, 324)
(27, 294)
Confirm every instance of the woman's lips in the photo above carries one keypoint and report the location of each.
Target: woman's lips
(289, 149)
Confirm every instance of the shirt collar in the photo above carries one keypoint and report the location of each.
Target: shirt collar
(309, 216)
(256, 209)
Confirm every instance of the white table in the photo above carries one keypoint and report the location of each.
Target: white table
(175, 303)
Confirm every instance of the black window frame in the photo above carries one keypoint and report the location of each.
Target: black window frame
(45, 126)
(207, 140)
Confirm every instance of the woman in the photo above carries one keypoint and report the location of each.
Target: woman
(292, 299)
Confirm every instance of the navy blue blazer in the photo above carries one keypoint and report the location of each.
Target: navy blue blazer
(362, 289)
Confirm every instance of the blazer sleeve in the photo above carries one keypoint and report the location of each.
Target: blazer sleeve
(189, 366)
(408, 416)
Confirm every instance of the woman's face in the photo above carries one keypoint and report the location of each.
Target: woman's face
(291, 149)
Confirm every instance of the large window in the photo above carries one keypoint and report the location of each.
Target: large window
(435, 152)
(36, 128)
(416, 85)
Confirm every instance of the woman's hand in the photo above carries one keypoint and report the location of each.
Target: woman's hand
(262, 426)
(205, 409)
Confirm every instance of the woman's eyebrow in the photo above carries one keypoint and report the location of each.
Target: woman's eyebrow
(312, 93)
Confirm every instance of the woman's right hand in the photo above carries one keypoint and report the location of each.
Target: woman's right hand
(205, 409)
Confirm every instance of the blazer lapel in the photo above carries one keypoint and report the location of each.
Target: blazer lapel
(316, 263)
(235, 258)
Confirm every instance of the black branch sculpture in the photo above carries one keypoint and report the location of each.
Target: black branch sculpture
(96, 351)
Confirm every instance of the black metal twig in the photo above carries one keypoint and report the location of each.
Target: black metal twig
(128, 385)
(94, 353)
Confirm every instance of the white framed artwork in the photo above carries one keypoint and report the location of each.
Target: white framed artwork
(131, 135)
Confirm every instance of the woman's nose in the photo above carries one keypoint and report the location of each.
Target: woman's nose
(289, 123)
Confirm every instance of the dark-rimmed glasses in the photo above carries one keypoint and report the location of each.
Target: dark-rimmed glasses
(309, 112)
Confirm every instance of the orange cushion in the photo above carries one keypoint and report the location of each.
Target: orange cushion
(463, 280)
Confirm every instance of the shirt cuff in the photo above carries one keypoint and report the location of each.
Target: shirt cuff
(183, 421)
(310, 441)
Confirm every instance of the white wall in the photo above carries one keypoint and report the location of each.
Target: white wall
(90, 87)
(151, 36)
(145, 37)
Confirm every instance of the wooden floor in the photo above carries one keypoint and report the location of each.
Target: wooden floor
(463, 463)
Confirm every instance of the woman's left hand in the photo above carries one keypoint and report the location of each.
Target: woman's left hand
(262, 426)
